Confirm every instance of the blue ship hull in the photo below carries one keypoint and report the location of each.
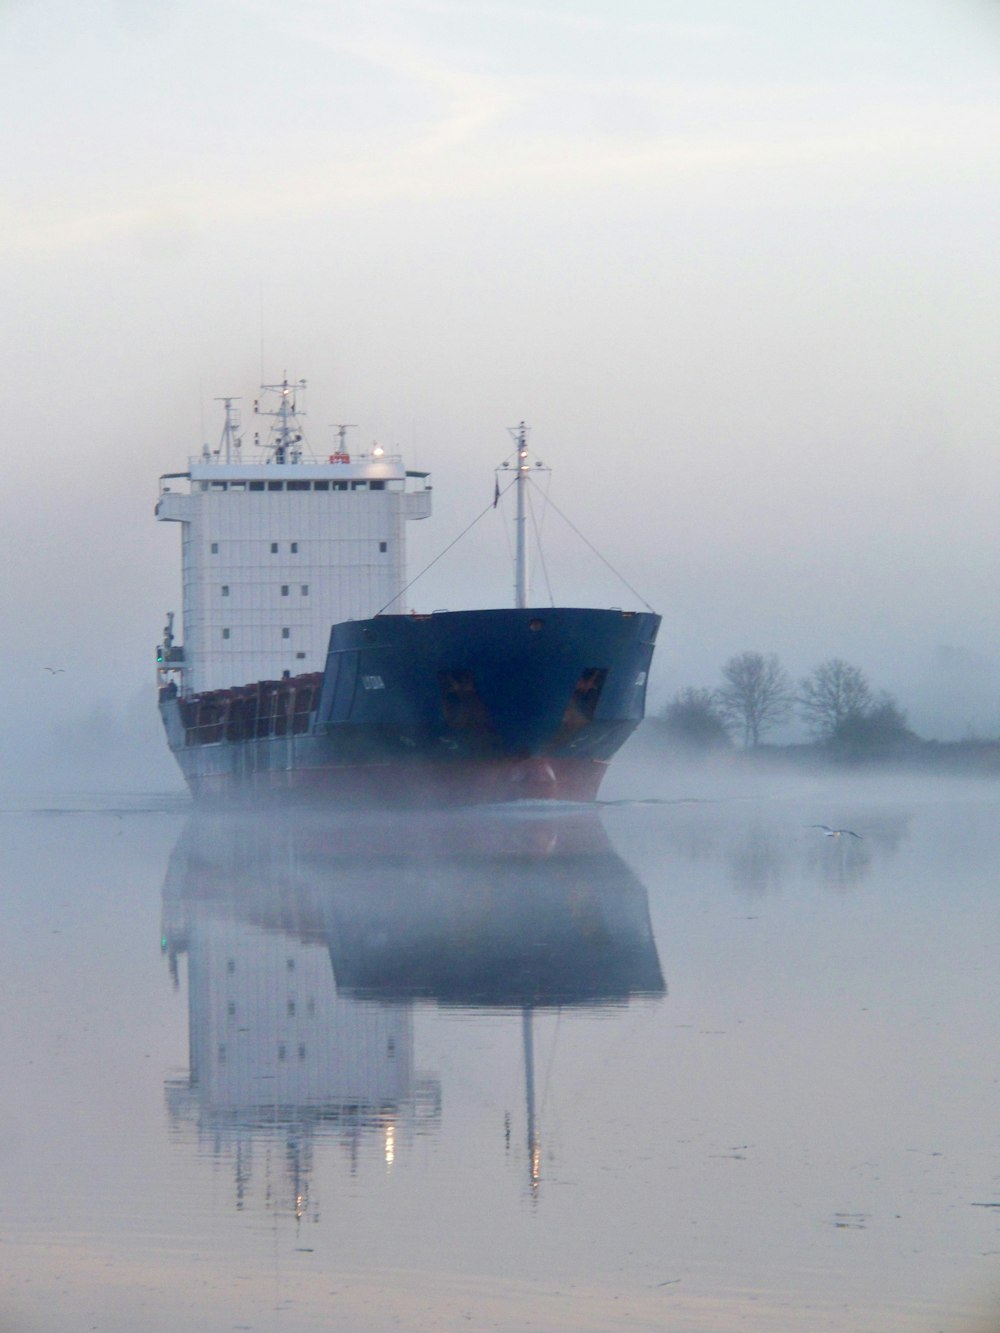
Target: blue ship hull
(455, 707)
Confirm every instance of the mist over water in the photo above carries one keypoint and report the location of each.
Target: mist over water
(682, 1061)
(677, 1061)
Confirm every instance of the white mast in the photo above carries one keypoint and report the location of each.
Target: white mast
(520, 434)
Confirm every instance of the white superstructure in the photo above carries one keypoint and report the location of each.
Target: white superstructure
(268, 1027)
(279, 548)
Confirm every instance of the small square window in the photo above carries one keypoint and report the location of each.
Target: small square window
(295, 548)
(285, 633)
(305, 590)
(301, 657)
(225, 633)
(383, 547)
(274, 548)
(215, 548)
(284, 590)
(225, 590)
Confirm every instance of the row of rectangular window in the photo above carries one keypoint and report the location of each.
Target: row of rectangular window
(293, 485)
(285, 634)
(289, 964)
(294, 548)
(282, 1052)
(303, 589)
(291, 1008)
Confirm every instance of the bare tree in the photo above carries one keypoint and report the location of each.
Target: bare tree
(757, 694)
(833, 692)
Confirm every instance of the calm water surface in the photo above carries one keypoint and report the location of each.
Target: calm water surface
(686, 1065)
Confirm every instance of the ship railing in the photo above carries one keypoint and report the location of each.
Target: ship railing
(259, 459)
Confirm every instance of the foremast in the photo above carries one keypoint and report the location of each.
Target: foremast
(521, 519)
(522, 479)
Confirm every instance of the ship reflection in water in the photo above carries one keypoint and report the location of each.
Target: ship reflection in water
(310, 942)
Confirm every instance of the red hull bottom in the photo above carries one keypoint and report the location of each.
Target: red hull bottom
(482, 782)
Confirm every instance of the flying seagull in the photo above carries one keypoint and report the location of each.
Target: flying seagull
(54, 671)
(836, 832)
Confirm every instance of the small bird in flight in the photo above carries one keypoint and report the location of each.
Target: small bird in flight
(54, 671)
(836, 832)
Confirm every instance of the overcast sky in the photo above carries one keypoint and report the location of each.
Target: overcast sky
(735, 262)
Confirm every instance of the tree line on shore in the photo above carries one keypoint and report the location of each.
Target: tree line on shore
(844, 715)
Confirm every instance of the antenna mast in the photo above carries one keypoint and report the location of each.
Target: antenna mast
(286, 438)
(230, 439)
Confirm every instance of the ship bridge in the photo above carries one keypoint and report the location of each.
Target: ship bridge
(277, 549)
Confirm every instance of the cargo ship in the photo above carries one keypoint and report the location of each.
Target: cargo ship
(301, 675)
